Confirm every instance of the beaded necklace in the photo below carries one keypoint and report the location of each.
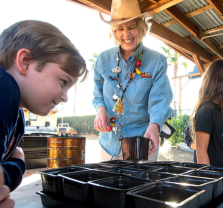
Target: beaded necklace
(119, 106)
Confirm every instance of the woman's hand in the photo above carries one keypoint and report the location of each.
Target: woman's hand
(101, 120)
(5, 200)
(152, 133)
(18, 153)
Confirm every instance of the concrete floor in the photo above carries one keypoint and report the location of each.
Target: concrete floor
(25, 195)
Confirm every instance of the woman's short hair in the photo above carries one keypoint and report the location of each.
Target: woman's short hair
(142, 26)
(46, 44)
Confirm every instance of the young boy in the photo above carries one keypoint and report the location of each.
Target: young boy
(38, 65)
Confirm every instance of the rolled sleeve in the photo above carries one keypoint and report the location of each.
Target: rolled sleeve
(160, 96)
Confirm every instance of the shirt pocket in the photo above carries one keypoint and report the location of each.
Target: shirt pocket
(142, 89)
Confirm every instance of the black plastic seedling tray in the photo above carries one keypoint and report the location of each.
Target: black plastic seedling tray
(191, 165)
(165, 195)
(162, 163)
(52, 182)
(51, 201)
(173, 170)
(111, 192)
(76, 187)
(89, 166)
(212, 168)
(145, 166)
(117, 163)
(121, 171)
(218, 185)
(151, 176)
(201, 183)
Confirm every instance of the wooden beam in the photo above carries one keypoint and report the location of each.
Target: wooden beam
(170, 22)
(185, 55)
(186, 23)
(213, 30)
(80, 3)
(178, 42)
(99, 5)
(190, 37)
(199, 63)
(189, 14)
(162, 5)
(217, 6)
(198, 11)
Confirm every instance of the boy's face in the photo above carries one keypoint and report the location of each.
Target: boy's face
(42, 90)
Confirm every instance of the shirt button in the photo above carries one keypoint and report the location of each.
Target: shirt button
(123, 127)
(125, 77)
(119, 135)
(124, 65)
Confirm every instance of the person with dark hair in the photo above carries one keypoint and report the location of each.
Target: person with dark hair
(38, 65)
(207, 117)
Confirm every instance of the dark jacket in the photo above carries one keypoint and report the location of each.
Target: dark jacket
(11, 129)
(189, 141)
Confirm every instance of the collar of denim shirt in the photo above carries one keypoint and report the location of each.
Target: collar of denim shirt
(134, 55)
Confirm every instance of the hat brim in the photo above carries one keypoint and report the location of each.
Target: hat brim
(145, 15)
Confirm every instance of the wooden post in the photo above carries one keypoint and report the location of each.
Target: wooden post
(199, 63)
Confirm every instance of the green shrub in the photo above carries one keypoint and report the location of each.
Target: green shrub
(82, 124)
(180, 123)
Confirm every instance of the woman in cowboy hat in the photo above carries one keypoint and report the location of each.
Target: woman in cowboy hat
(132, 93)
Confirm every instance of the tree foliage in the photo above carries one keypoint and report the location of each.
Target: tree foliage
(173, 57)
(180, 123)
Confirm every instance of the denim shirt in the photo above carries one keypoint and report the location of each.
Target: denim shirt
(146, 100)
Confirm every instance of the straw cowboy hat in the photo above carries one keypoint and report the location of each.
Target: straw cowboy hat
(124, 11)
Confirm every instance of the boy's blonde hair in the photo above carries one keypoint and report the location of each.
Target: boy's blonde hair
(46, 44)
(143, 28)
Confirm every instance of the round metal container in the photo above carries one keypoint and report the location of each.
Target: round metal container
(65, 151)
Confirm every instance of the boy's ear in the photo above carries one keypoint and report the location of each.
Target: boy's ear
(22, 60)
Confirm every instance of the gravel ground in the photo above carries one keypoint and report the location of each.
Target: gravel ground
(167, 152)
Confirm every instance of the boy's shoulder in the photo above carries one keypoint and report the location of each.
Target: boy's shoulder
(10, 99)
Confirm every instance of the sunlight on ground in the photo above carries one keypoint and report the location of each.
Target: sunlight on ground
(165, 148)
(30, 179)
(165, 151)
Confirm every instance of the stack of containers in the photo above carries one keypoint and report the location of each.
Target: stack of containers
(123, 184)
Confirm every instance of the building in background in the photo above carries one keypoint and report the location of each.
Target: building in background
(187, 93)
(36, 123)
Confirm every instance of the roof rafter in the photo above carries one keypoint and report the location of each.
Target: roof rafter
(186, 23)
(185, 55)
(178, 42)
(99, 5)
(162, 5)
(213, 30)
(189, 14)
(199, 64)
(217, 6)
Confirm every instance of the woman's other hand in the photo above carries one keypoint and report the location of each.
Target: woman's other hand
(18, 153)
(101, 120)
(5, 200)
(152, 133)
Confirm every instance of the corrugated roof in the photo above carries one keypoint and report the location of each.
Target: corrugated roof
(190, 5)
(161, 17)
(200, 43)
(207, 20)
(179, 29)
